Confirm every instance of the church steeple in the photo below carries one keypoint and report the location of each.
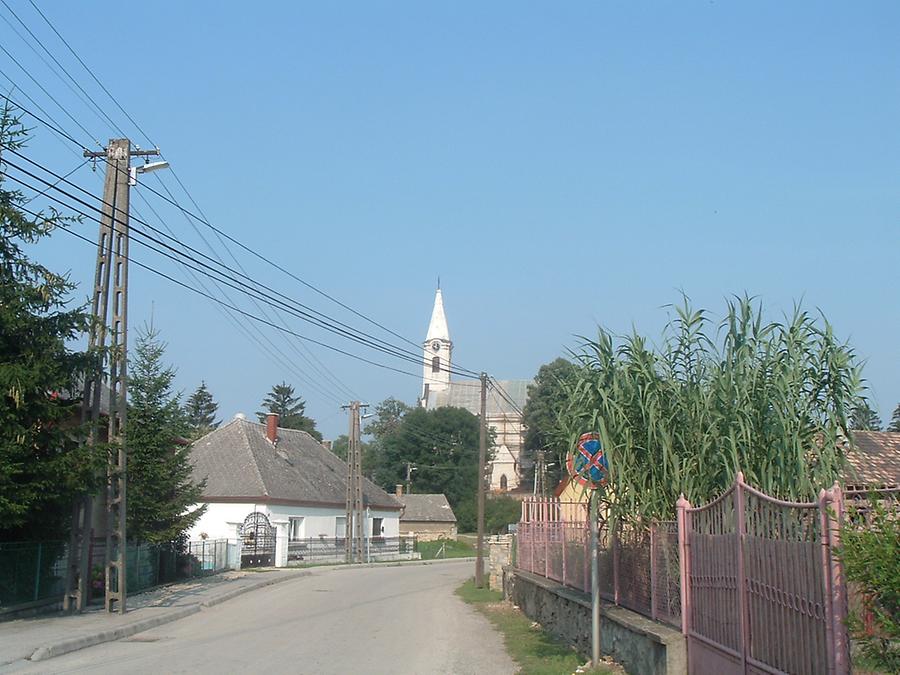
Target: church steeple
(437, 327)
(437, 350)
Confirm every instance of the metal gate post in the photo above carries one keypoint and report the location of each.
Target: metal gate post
(562, 529)
(838, 598)
(740, 527)
(653, 572)
(615, 556)
(684, 562)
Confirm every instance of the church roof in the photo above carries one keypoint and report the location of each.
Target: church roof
(437, 327)
(240, 464)
(468, 395)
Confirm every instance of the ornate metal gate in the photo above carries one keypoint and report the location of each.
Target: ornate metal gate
(258, 541)
(761, 589)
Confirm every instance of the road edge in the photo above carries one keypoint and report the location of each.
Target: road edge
(70, 645)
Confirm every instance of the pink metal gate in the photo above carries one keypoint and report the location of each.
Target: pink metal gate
(761, 590)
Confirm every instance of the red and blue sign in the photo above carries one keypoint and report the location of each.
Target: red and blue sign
(588, 465)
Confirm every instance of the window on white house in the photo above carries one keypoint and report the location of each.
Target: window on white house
(296, 529)
(436, 364)
(377, 527)
(340, 527)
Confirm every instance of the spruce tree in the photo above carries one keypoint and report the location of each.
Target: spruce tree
(863, 418)
(895, 420)
(43, 467)
(160, 489)
(201, 410)
(290, 409)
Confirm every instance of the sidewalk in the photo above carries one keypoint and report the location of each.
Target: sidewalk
(44, 637)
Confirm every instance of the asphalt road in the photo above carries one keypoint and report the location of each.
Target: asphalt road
(374, 620)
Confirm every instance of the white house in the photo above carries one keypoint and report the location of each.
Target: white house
(280, 492)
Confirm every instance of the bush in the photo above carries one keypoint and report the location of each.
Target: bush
(870, 551)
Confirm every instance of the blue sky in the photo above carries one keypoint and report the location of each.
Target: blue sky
(559, 165)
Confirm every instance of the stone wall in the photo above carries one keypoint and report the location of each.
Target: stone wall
(499, 551)
(640, 645)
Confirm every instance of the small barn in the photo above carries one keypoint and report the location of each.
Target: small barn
(426, 517)
(282, 494)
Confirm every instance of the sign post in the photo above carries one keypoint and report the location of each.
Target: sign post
(589, 467)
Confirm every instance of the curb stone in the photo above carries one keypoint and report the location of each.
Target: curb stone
(69, 645)
(76, 644)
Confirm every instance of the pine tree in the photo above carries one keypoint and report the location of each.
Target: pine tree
(863, 418)
(895, 420)
(290, 409)
(160, 489)
(43, 467)
(201, 410)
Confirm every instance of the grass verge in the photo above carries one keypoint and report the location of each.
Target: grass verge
(431, 550)
(533, 649)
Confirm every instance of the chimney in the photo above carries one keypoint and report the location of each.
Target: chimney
(272, 427)
(398, 490)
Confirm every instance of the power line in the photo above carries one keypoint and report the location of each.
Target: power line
(46, 93)
(90, 72)
(202, 218)
(327, 323)
(84, 96)
(233, 308)
(458, 370)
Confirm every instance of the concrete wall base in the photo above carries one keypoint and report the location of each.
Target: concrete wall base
(638, 644)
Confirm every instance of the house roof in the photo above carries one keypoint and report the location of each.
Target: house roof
(874, 459)
(239, 463)
(426, 508)
(468, 395)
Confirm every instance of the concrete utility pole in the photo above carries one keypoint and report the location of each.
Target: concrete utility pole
(111, 267)
(482, 458)
(354, 534)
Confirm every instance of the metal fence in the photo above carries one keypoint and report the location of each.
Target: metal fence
(752, 581)
(35, 572)
(638, 566)
(31, 572)
(323, 550)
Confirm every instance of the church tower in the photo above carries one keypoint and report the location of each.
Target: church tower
(437, 351)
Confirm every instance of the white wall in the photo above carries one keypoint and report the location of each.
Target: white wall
(219, 519)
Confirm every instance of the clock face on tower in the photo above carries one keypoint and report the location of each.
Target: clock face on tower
(436, 346)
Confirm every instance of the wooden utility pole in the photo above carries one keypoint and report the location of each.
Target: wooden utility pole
(355, 518)
(482, 459)
(111, 269)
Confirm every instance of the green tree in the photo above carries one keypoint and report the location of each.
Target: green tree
(160, 486)
(388, 416)
(863, 418)
(547, 397)
(200, 411)
(43, 467)
(340, 446)
(290, 409)
(441, 444)
(895, 420)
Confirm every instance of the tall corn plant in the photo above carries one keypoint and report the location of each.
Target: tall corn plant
(770, 399)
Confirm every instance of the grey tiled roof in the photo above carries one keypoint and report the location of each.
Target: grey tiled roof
(468, 395)
(237, 460)
(426, 508)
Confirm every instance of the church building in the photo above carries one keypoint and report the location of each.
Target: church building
(508, 469)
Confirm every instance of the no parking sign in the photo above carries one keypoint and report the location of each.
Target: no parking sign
(588, 464)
